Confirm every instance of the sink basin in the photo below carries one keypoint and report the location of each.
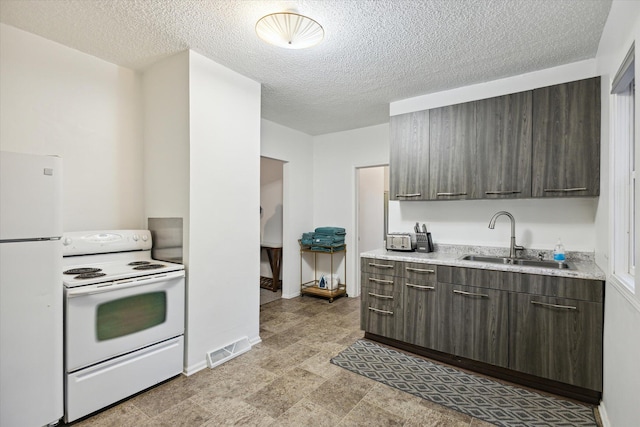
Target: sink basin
(511, 261)
(489, 259)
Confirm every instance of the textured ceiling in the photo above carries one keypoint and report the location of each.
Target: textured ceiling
(374, 52)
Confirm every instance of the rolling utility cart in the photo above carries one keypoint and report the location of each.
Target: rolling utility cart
(313, 287)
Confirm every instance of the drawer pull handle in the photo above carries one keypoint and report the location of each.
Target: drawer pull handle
(470, 294)
(564, 190)
(428, 288)
(420, 270)
(373, 264)
(371, 294)
(381, 311)
(409, 195)
(451, 194)
(566, 307)
(498, 192)
(386, 282)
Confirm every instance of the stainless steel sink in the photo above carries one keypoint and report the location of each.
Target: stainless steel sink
(516, 261)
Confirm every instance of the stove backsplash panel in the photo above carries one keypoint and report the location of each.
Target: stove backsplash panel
(166, 234)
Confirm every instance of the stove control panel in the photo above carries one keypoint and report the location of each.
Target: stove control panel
(105, 241)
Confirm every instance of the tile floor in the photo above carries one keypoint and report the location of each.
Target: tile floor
(286, 380)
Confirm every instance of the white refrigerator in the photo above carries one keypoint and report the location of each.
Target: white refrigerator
(31, 317)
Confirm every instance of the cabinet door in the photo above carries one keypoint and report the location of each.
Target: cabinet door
(503, 135)
(473, 322)
(566, 139)
(420, 313)
(409, 156)
(557, 338)
(452, 151)
(381, 305)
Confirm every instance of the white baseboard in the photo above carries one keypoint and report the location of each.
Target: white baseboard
(190, 370)
(603, 415)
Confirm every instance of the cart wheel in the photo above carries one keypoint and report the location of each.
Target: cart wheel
(330, 300)
(346, 295)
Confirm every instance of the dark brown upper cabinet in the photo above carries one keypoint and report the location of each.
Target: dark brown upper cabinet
(452, 152)
(503, 146)
(566, 139)
(540, 143)
(409, 156)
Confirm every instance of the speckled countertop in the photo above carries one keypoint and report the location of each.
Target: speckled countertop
(582, 264)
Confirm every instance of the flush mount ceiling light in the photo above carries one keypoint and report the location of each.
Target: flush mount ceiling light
(289, 30)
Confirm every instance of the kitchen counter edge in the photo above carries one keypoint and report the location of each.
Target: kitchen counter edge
(583, 269)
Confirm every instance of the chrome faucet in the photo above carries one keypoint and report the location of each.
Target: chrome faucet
(513, 247)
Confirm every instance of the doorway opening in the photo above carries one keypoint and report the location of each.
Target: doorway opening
(271, 208)
(372, 210)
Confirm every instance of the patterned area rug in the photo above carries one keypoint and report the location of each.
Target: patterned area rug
(479, 397)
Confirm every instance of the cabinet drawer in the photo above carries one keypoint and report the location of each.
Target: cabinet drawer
(419, 273)
(380, 266)
(381, 310)
(378, 281)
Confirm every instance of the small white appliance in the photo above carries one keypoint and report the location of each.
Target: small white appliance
(31, 367)
(124, 318)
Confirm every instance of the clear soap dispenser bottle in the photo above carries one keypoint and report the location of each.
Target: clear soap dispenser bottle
(558, 252)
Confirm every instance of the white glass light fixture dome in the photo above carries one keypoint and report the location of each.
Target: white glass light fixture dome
(289, 30)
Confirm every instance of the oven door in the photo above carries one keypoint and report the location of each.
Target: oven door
(106, 320)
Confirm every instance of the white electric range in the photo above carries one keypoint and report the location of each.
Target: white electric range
(124, 318)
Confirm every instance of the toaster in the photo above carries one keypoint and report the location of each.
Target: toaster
(401, 242)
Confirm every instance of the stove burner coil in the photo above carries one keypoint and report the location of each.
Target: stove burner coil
(90, 275)
(83, 270)
(148, 267)
(139, 263)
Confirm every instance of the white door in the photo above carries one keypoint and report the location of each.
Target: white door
(372, 182)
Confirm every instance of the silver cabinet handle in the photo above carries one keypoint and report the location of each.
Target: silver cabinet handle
(566, 307)
(386, 282)
(564, 190)
(371, 294)
(470, 294)
(503, 192)
(451, 194)
(381, 311)
(420, 270)
(373, 264)
(428, 288)
(409, 195)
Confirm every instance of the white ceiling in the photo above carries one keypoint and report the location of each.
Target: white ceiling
(374, 51)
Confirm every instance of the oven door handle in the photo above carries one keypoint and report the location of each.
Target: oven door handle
(122, 284)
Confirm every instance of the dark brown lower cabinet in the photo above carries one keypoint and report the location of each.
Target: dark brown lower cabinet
(473, 323)
(542, 331)
(557, 338)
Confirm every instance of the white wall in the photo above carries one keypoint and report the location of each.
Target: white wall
(271, 205)
(539, 222)
(335, 159)
(296, 150)
(206, 121)
(622, 308)
(56, 100)
(224, 207)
